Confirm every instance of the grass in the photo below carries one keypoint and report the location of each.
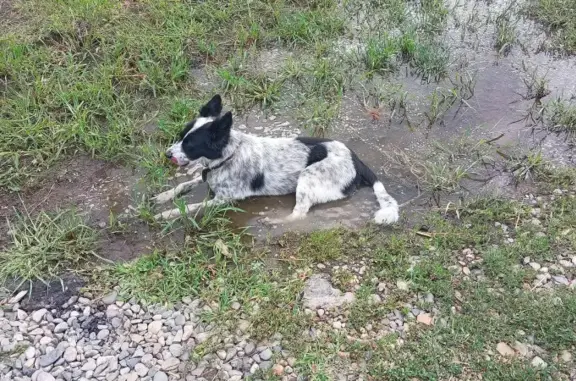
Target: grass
(46, 245)
(559, 16)
(560, 118)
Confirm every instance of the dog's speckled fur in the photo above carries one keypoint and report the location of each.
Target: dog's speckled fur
(238, 166)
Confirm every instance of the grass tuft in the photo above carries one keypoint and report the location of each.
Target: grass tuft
(46, 245)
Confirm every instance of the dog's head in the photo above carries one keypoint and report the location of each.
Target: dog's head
(205, 137)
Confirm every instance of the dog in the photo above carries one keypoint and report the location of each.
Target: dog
(237, 166)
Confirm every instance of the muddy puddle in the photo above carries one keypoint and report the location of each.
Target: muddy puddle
(495, 111)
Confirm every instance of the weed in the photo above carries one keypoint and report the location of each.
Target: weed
(430, 60)
(505, 35)
(381, 53)
(559, 16)
(46, 245)
(323, 245)
(560, 118)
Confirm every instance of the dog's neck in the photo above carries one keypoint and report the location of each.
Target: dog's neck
(235, 140)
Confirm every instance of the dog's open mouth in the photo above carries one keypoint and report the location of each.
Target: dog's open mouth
(174, 160)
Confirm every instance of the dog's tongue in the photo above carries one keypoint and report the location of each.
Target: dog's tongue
(174, 160)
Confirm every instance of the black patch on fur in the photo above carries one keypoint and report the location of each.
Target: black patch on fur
(213, 108)
(257, 182)
(318, 151)
(209, 140)
(364, 176)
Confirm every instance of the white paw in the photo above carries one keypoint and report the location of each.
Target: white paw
(164, 197)
(386, 216)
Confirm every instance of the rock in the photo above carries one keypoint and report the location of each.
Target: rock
(30, 353)
(43, 376)
(375, 298)
(110, 298)
(221, 353)
(155, 327)
(337, 325)
(402, 285)
(560, 279)
(566, 356)
(18, 297)
(537, 362)
(521, 348)
(320, 312)
(179, 320)
(243, 325)
(51, 357)
(466, 270)
(505, 350)
(89, 365)
(249, 348)
(176, 350)
(266, 354)
(535, 266)
(103, 334)
(38, 315)
(319, 293)
(425, 319)
(254, 368)
(61, 327)
(70, 354)
(277, 370)
(160, 376)
(170, 364)
(235, 306)
(141, 369)
(265, 365)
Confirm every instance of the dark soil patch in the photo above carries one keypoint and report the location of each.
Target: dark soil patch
(52, 294)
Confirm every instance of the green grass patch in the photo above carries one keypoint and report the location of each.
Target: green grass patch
(559, 16)
(44, 246)
(323, 245)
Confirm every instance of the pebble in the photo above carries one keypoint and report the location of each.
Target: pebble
(155, 327)
(402, 285)
(505, 350)
(160, 376)
(44, 376)
(266, 354)
(536, 266)
(537, 362)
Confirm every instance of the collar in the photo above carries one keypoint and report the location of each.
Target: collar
(207, 170)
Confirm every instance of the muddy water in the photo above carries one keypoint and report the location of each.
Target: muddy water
(496, 109)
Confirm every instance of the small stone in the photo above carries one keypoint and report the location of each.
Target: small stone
(402, 285)
(277, 370)
(18, 297)
(179, 320)
(536, 266)
(155, 327)
(110, 298)
(30, 353)
(559, 279)
(170, 364)
(221, 353)
(235, 306)
(38, 315)
(160, 376)
(566, 356)
(505, 350)
(537, 362)
(425, 319)
(103, 334)
(141, 369)
(89, 365)
(176, 350)
(320, 312)
(51, 357)
(266, 354)
(466, 270)
(249, 348)
(43, 376)
(254, 368)
(70, 354)
(375, 298)
(337, 325)
(61, 327)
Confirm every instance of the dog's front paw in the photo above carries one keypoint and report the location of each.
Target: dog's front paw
(164, 197)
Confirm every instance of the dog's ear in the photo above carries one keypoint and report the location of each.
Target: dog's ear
(213, 108)
(221, 127)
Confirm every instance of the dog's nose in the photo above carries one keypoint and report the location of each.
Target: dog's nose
(169, 155)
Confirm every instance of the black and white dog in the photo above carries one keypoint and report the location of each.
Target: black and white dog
(237, 166)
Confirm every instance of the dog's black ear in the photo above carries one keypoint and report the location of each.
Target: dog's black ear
(213, 108)
(221, 127)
